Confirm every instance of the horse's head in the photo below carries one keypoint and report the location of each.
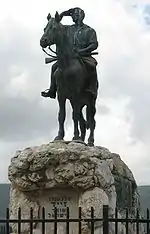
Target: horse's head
(51, 31)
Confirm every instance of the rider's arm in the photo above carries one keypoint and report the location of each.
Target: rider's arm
(66, 13)
(92, 43)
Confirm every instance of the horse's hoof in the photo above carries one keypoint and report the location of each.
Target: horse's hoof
(76, 139)
(90, 143)
(58, 138)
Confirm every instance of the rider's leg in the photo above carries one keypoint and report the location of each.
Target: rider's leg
(93, 81)
(52, 90)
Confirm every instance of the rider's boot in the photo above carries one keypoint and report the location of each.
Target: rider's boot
(51, 92)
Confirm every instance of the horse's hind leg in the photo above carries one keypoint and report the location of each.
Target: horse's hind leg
(92, 123)
(91, 137)
(61, 118)
(82, 123)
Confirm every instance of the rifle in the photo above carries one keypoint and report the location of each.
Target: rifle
(50, 60)
(88, 54)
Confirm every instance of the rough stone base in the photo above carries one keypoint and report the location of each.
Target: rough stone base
(71, 174)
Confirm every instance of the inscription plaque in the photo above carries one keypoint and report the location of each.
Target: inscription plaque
(60, 199)
(61, 203)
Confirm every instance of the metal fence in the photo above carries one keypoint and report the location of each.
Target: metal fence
(6, 223)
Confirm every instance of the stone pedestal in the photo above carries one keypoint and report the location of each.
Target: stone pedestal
(64, 174)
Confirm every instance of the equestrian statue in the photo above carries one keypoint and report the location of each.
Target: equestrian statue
(74, 74)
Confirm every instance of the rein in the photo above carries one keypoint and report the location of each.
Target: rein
(52, 56)
(52, 50)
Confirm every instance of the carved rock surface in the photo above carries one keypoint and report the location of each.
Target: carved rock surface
(97, 175)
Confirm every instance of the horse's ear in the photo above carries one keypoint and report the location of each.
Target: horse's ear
(49, 16)
(57, 17)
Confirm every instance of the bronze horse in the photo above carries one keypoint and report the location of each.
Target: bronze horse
(71, 81)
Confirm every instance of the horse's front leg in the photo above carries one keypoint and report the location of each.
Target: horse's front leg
(76, 118)
(61, 118)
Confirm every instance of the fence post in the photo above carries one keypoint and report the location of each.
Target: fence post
(105, 220)
(92, 220)
(55, 220)
(43, 220)
(67, 221)
(79, 216)
(19, 220)
(31, 220)
(147, 226)
(7, 221)
(127, 221)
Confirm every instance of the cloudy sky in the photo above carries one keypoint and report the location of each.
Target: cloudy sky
(123, 107)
